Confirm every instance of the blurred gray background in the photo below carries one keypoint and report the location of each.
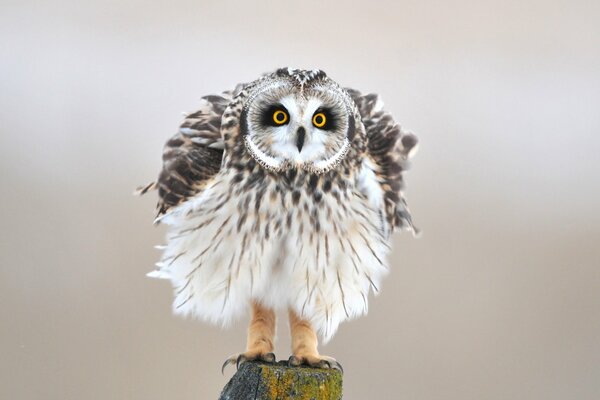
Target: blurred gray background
(500, 298)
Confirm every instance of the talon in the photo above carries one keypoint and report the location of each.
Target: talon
(338, 366)
(316, 362)
(294, 361)
(230, 360)
(269, 358)
(240, 360)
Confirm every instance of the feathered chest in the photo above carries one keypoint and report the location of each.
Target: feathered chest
(271, 205)
(312, 242)
(249, 205)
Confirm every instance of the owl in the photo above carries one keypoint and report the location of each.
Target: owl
(282, 195)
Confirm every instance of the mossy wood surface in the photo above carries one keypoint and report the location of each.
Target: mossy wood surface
(260, 381)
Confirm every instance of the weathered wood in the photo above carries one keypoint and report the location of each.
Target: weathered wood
(260, 381)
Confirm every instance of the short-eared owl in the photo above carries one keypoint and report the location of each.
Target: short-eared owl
(282, 194)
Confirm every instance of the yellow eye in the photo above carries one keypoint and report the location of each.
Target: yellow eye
(280, 117)
(319, 120)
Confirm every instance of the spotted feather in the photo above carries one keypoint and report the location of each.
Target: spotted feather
(193, 156)
(389, 148)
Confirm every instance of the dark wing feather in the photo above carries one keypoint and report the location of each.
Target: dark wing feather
(193, 156)
(389, 148)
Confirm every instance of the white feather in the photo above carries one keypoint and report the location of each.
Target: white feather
(158, 274)
(215, 282)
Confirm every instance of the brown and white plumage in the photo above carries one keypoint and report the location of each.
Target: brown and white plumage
(193, 156)
(253, 221)
(389, 149)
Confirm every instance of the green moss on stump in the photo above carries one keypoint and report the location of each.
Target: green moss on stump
(259, 381)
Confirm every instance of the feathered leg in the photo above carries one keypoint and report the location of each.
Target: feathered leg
(261, 334)
(304, 345)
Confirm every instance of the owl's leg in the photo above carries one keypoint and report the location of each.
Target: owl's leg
(304, 345)
(261, 333)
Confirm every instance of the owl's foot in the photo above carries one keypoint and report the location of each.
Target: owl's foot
(316, 361)
(239, 359)
(261, 334)
(304, 345)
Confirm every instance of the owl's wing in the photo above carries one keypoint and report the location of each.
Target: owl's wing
(193, 156)
(388, 151)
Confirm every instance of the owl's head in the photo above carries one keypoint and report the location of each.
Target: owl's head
(297, 119)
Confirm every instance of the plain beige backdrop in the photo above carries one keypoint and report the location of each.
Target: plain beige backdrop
(500, 298)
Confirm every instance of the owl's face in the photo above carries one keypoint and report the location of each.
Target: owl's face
(291, 123)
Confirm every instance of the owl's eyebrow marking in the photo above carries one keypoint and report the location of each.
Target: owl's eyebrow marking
(276, 106)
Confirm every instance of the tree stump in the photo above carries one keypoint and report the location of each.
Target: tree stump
(261, 381)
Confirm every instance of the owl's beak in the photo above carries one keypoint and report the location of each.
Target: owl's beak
(300, 136)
